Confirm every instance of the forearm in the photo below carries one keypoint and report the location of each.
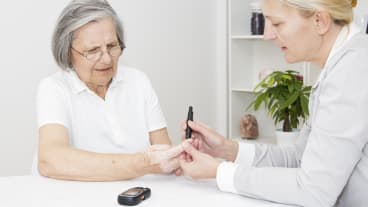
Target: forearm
(72, 164)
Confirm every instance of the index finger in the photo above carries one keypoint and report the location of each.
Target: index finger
(199, 127)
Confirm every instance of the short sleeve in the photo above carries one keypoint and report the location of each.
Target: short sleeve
(51, 103)
(154, 115)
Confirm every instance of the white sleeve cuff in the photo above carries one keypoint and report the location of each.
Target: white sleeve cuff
(245, 154)
(225, 176)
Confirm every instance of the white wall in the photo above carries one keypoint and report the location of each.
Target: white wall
(25, 58)
(361, 12)
(180, 44)
(173, 41)
(362, 8)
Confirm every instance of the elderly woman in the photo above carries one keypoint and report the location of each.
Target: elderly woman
(329, 164)
(97, 122)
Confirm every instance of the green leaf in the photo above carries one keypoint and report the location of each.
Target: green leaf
(289, 101)
(258, 101)
(304, 104)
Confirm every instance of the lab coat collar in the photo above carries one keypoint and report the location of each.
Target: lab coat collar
(346, 33)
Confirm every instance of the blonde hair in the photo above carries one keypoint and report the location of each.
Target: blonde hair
(341, 11)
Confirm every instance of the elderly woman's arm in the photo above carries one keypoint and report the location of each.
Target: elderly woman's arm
(159, 136)
(58, 159)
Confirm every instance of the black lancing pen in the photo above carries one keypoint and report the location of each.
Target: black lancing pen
(188, 131)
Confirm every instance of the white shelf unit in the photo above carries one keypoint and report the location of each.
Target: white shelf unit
(248, 55)
(246, 37)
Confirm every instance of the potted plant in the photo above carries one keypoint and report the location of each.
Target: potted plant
(285, 97)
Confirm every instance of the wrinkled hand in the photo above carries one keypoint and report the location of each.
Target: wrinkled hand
(166, 156)
(200, 166)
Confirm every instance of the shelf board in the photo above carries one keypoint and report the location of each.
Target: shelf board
(244, 90)
(247, 37)
(259, 140)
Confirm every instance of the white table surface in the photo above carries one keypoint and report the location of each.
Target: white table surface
(24, 191)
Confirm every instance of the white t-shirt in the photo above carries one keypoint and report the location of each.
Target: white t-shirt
(119, 124)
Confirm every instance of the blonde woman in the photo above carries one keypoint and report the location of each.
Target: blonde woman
(329, 164)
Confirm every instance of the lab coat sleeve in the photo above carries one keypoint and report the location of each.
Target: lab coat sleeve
(281, 156)
(338, 135)
(258, 155)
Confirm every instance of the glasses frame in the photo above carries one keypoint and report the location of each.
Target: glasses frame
(84, 54)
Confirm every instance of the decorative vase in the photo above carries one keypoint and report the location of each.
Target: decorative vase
(286, 138)
(249, 127)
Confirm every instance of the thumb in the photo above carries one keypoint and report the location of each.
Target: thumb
(188, 148)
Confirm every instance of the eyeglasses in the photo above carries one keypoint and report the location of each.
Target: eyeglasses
(95, 54)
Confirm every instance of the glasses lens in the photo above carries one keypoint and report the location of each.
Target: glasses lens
(115, 51)
(93, 56)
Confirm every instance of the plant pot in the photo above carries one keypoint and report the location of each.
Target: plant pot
(286, 138)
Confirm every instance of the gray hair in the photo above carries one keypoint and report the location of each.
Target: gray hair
(75, 15)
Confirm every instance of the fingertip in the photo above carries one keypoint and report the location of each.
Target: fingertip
(191, 123)
(178, 172)
(187, 143)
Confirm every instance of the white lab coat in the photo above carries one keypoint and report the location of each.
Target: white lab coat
(329, 164)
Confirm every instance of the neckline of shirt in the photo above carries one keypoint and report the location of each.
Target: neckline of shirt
(79, 86)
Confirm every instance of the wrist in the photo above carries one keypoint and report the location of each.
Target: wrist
(144, 163)
(216, 166)
(230, 150)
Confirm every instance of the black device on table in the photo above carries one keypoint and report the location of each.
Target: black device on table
(133, 196)
(188, 131)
